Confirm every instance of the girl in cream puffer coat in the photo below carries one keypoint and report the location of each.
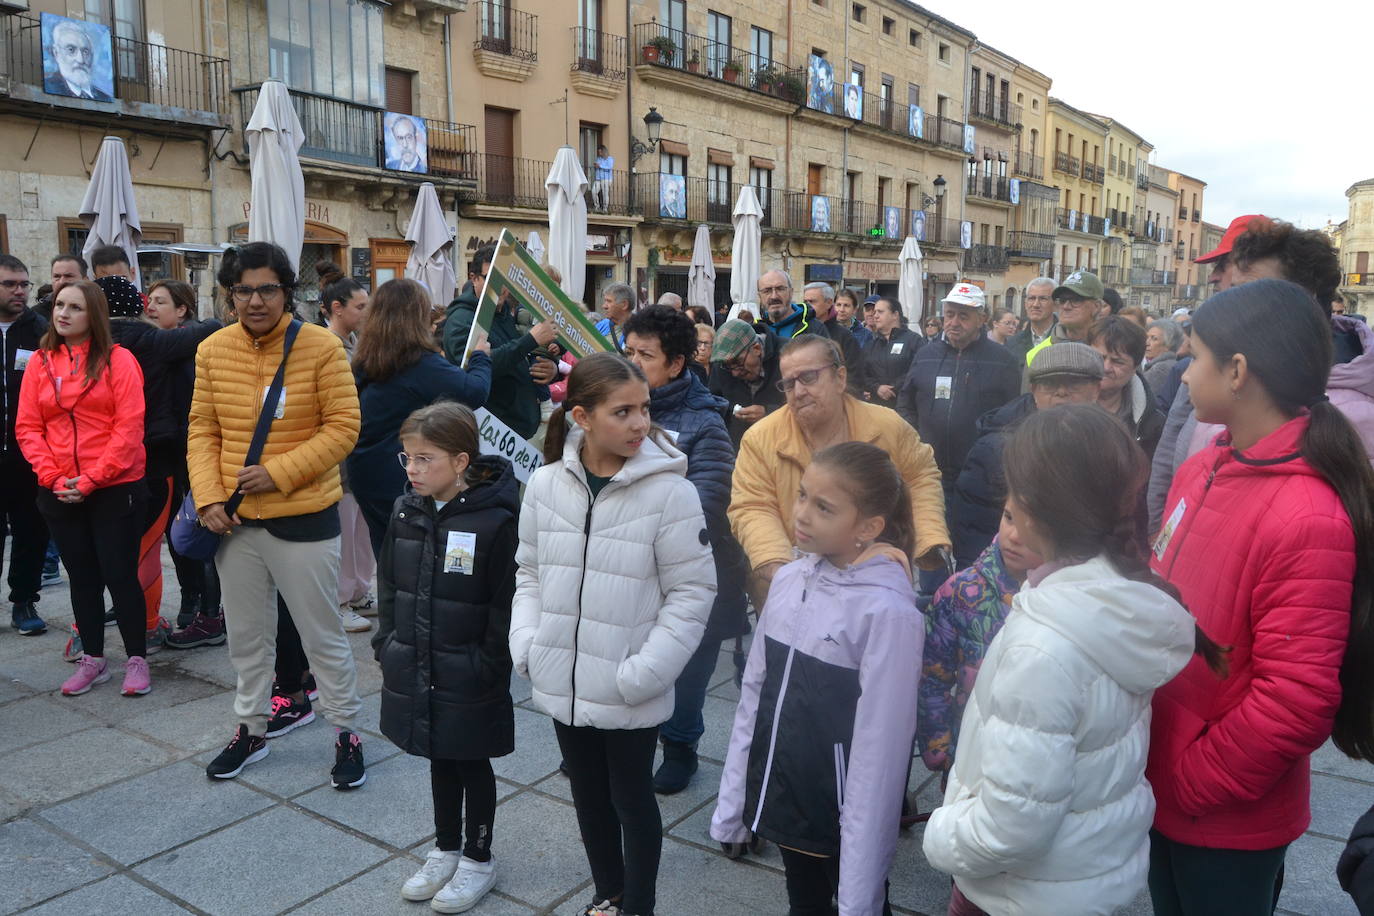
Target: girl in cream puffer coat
(613, 588)
(1047, 809)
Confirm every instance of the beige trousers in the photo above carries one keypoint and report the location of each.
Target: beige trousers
(253, 566)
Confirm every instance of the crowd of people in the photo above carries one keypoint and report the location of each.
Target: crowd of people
(1109, 577)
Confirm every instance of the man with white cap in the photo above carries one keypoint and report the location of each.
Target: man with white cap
(956, 378)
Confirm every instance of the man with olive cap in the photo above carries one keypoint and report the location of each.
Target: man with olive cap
(744, 371)
(1070, 373)
(1077, 300)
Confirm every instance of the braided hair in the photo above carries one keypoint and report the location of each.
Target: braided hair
(1078, 473)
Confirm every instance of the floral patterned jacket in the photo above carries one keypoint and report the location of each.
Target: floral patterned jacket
(965, 615)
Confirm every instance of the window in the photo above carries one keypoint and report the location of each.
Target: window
(761, 46)
(856, 73)
(400, 91)
(944, 53)
(125, 19)
(331, 47)
(717, 42)
(718, 202)
(672, 164)
(913, 38)
(762, 180)
(589, 137)
(888, 25)
(913, 95)
(1020, 98)
(1035, 104)
(884, 193)
(886, 93)
(858, 11)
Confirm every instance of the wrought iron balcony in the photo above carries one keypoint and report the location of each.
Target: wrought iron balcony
(1030, 245)
(598, 53)
(987, 257)
(510, 181)
(502, 30)
(1065, 163)
(990, 187)
(987, 107)
(691, 53)
(1025, 165)
(150, 81)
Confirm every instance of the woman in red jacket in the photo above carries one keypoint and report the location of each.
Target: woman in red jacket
(80, 424)
(1269, 535)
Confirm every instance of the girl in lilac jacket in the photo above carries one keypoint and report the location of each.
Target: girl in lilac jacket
(822, 736)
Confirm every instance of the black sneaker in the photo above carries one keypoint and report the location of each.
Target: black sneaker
(241, 751)
(348, 772)
(24, 618)
(312, 690)
(287, 715)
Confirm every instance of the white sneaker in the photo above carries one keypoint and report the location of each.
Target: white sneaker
(352, 623)
(439, 867)
(366, 605)
(468, 886)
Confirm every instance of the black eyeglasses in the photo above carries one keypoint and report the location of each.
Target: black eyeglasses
(806, 379)
(268, 292)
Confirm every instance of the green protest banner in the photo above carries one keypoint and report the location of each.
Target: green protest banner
(516, 277)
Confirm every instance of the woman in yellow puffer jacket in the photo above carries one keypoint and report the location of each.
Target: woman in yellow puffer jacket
(284, 537)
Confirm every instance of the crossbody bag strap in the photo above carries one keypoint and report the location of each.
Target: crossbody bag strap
(269, 407)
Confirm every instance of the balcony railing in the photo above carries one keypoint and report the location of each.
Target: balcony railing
(1110, 275)
(1094, 173)
(1096, 226)
(1188, 292)
(999, 111)
(718, 61)
(1113, 163)
(1065, 163)
(350, 132)
(987, 257)
(1080, 222)
(1354, 279)
(152, 80)
(1146, 276)
(1030, 245)
(503, 30)
(1197, 216)
(509, 181)
(1028, 166)
(990, 187)
(1142, 181)
(1182, 212)
(598, 53)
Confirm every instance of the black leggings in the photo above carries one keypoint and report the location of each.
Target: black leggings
(450, 781)
(99, 541)
(812, 883)
(612, 776)
(291, 662)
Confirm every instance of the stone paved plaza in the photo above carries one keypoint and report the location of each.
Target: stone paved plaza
(106, 808)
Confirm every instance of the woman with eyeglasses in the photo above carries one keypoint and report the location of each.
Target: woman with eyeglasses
(399, 369)
(777, 449)
(284, 536)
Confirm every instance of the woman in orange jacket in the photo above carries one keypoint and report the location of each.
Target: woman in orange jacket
(80, 424)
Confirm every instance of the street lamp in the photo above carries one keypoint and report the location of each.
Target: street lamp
(653, 124)
(939, 183)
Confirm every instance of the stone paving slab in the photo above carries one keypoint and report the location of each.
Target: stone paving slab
(40, 864)
(50, 772)
(116, 894)
(173, 805)
(38, 719)
(191, 727)
(280, 857)
(393, 805)
(538, 837)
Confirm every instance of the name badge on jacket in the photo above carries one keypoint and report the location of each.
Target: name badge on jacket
(281, 402)
(944, 385)
(460, 555)
(897, 348)
(21, 359)
(1166, 534)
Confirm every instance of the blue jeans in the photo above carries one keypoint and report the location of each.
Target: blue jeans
(686, 725)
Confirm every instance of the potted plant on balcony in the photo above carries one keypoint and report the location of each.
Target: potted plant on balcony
(766, 78)
(660, 47)
(694, 64)
(792, 85)
(731, 71)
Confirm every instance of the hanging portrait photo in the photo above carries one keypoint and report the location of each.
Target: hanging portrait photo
(672, 196)
(407, 142)
(820, 84)
(820, 213)
(1014, 194)
(77, 60)
(892, 222)
(916, 122)
(968, 138)
(966, 234)
(854, 101)
(918, 225)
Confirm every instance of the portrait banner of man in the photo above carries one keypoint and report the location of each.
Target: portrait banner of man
(968, 138)
(672, 196)
(77, 59)
(916, 122)
(407, 142)
(966, 235)
(820, 213)
(1014, 191)
(918, 225)
(820, 84)
(892, 222)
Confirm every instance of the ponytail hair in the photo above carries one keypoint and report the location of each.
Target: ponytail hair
(335, 286)
(591, 382)
(870, 478)
(1286, 341)
(1085, 499)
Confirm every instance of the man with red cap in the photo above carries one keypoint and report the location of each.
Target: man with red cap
(1256, 247)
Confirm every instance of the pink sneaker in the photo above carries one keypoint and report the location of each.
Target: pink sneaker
(89, 672)
(136, 679)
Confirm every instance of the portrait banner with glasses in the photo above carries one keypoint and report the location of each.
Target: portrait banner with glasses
(407, 142)
(77, 58)
(515, 276)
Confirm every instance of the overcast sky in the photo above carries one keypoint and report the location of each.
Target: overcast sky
(1262, 103)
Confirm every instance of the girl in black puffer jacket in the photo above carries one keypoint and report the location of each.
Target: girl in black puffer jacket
(445, 581)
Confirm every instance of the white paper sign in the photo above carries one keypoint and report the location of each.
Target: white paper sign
(499, 439)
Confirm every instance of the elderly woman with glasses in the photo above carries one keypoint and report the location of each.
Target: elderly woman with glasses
(818, 414)
(283, 538)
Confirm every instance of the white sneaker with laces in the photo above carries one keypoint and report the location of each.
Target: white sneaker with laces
(468, 886)
(439, 867)
(352, 623)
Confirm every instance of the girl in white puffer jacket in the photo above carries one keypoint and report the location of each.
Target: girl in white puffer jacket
(1047, 809)
(614, 585)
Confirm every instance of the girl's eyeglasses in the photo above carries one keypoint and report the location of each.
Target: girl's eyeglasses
(421, 462)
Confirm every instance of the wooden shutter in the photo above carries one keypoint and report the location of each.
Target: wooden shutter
(1361, 262)
(400, 92)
